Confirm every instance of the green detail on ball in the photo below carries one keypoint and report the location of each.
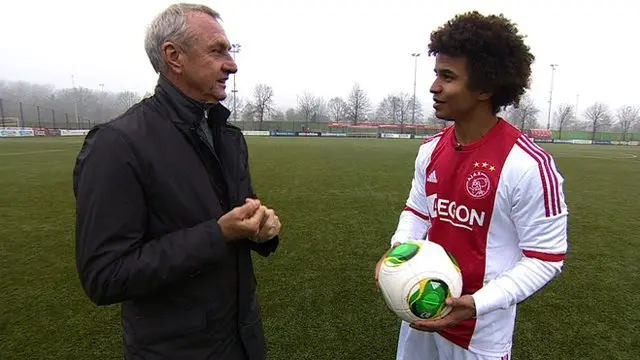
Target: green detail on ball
(429, 299)
(402, 253)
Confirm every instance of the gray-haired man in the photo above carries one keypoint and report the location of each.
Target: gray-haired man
(166, 212)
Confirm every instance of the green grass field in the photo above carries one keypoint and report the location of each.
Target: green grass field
(339, 201)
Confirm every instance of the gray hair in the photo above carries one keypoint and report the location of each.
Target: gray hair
(170, 25)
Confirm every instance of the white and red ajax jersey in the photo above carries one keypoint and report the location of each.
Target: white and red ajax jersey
(498, 207)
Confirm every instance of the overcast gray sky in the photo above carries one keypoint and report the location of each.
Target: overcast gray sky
(325, 46)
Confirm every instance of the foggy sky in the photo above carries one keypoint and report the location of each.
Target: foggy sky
(324, 46)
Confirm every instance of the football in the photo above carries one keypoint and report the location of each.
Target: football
(416, 278)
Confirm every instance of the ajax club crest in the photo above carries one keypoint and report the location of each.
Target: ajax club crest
(478, 183)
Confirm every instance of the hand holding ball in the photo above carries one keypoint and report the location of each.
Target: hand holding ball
(416, 278)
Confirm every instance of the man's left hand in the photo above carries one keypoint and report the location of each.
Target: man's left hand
(462, 308)
(269, 228)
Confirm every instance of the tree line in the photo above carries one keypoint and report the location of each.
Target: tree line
(100, 105)
(90, 105)
(398, 108)
(595, 118)
(354, 107)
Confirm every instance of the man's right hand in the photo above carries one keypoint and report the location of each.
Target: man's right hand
(379, 264)
(243, 221)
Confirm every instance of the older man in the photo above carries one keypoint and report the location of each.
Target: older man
(166, 213)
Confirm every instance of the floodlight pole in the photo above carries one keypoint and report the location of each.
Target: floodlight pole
(553, 70)
(75, 99)
(235, 48)
(415, 73)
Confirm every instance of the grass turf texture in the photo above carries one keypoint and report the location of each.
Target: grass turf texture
(339, 201)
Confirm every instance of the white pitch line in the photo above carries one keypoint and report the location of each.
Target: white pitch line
(31, 152)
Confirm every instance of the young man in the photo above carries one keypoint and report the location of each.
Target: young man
(483, 191)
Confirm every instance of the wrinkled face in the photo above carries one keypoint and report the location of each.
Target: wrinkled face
(205, 63)
(453, 100)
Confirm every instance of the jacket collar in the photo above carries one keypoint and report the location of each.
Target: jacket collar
(187, 109)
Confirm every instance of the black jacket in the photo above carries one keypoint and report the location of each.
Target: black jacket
(150, 186)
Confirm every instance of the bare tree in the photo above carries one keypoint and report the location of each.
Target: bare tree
(405, 103)
(415, 110)
(239, 106)
(56, 105)
(578, 126)
(397, 109)
(563, 117)
(358, 104)
(26, 92)
(524, 115)
(599, 117)
(90, 104)
(627, 117)
(636, 127)
(262, 103)
(337, 109)
(127, 99)
(277, 115)
(389, 109)
(247, 113)
(418, 117)
(308, 106)
(292, 115)
(432, 119)
(321, 111)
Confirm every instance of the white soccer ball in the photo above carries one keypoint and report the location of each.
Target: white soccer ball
(416, 278)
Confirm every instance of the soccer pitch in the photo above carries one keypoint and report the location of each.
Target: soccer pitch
(339, 201)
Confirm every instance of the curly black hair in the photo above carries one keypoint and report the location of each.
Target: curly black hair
(498, 60)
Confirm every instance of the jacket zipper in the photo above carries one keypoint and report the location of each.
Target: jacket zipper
(203, 138)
